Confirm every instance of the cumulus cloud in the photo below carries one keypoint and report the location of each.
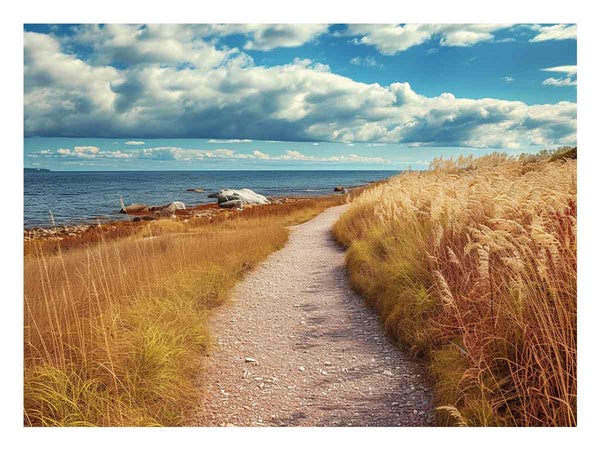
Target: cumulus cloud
(162, 44)
(563, 81)
(182, 154)
(236, 101)
(554, 32)
(259, 155)
(391, 39)
(86, 149)
(266, 37)
(566, 81)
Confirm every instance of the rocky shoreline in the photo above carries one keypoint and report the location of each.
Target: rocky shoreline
(229, 202)
(208, 211)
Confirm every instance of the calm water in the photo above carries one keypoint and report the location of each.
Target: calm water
(81, 197)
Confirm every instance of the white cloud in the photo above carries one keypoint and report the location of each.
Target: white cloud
(559, 82)
(391, 39)
(239, 102)
(432, 51)
(259, 155)
(160, 44)
(183, 154)
(509, 79)
(266, 37)
(134, 143)
(571, 70)
(86, 149)
(554, 32)
(368, 61)
(228, 141)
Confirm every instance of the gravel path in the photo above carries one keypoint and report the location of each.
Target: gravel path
(297, 347)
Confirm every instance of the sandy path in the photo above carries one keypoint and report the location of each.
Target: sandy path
(318, 354)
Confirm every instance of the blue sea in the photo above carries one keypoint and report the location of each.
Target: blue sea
(86, 197)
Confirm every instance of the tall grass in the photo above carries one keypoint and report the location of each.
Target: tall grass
(472, 265)
(115, 329)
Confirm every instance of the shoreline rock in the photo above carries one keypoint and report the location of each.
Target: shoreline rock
(135, 208)
(208, 211)
(238, 198)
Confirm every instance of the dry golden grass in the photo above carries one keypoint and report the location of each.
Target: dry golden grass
(473, 266)
(115, 328)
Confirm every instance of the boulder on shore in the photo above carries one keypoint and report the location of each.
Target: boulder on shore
(244, 196)
(168, 210)
(338, 189)
(231, 204)
(135, 208)
(174, 206)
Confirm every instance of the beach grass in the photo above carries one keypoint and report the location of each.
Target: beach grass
(472, 267)
(116, 323)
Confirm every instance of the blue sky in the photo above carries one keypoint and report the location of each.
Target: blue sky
(204, 97)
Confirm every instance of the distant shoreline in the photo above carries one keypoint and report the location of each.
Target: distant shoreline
(205, 210)
(77, 198)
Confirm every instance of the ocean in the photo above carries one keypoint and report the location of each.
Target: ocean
(86, 197)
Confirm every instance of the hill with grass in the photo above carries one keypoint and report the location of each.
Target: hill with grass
(472, 267)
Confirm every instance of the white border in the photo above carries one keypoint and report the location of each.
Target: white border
(307, 11)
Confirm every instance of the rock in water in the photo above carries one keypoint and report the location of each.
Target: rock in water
(245, 196)
(338, 189)
(195, 190)
(135, 208)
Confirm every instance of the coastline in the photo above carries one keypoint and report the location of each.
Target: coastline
(206, 211)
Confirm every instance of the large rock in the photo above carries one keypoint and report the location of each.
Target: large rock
(135, 208)
(245, 196)
(231, 204)
(174, 206)
(169, 210)
(338, 189)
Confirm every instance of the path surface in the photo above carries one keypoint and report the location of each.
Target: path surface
(318, 355)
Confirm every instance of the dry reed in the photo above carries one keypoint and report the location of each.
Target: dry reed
(473, 266)
(115, 328)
